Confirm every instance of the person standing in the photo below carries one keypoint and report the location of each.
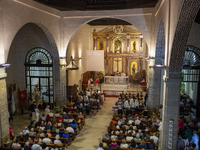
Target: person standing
(181, 143)
(32, 108)
(37, 113)
(11, 134)
(195, 139)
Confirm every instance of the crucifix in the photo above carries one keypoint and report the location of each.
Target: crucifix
(117, 63)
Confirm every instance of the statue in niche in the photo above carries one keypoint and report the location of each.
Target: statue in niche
(118, 46)
(101, 45)
(133, 69)
(134, 45)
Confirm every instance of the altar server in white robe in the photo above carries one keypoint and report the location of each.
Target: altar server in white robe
(126, 104)
(132, 104)
(136, 103)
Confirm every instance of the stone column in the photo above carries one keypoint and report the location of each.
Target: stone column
(170, 117)
(4, 124)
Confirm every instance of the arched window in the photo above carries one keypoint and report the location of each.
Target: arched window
(39, 75)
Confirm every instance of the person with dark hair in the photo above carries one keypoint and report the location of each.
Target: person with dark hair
(11, 134)
(188, 133)
(141, 126)
(47, 140)
(66, 135)
(132, 144)
(16, 145)
(44, 146)
(109, 147)
(195, 139)
(74, 124)
(48, 127)
(31, 125)
(27, 146)
(100, 146)
(36, 146)
(20, 137)
(151, 145)
(180, 144)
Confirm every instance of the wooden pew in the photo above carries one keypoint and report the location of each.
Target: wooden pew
(120, 141)
(124, 148)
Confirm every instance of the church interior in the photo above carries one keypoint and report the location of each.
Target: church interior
(100, 74)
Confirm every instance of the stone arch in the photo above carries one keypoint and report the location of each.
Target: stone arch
(187, 15)
(29, 36)
(96, 18)
(160, 44)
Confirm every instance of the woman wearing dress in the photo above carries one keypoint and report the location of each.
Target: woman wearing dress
(37, 113)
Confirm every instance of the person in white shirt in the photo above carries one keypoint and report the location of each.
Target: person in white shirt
(155, 138)
(136, 103)
(37, 113)
(100, 146)
(36, 146)
(129, 137)
(114, 136)
(47, 110)
(57, 141)
(47, 140)
(124, 144)
(130, 120)
(70, 129)
(137, 121)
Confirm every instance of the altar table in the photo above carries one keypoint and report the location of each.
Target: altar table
(116, 79)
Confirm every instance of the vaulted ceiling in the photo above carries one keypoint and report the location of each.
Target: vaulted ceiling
(67, 5)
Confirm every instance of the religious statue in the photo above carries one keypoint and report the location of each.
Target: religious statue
(133, 69)
(37, 95)
(101, 45)
(118, 46)
(134, 45)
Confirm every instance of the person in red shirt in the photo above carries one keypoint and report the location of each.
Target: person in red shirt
(11, 134)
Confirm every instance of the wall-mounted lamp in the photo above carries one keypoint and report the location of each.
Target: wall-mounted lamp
(63, 61)
(80, 57)
(4, 65)
(160, 66)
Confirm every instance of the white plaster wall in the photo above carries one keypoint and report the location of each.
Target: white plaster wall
(77, 48)
(20, 12)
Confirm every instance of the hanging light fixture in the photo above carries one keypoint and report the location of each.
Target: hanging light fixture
(71, 65)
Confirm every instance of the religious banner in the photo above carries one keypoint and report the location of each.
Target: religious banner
(22, 96)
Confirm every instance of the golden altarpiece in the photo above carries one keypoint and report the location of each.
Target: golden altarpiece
(124, 50)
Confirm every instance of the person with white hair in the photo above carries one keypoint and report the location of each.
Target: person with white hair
(47, 140)
(32, 132)
(57, 141)
(47, 110)
(137, 138)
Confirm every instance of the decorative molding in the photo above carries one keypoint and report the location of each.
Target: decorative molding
(188, 13)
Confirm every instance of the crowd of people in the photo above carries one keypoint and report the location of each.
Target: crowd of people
(56, 128)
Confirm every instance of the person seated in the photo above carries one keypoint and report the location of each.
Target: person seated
(44, 146)
(74, 124)
(27, 146)
(151, 145)
(57, 133)
(147, 138)
(54, 120)
(137, 121)
(64, 115)
(80, 116)
(60, 123)
(129, 137)
(121, 121)
(137, 138)
(60, 118)
(66, 135)
(49, 133)
(25, 131)
(130, 120)
(65, 109)
(140, 132)
(133, 144)
(106, 136)
(62, 127)
(123, 144)
(47, 140)
(143, 145)
(137, 111)
(154, 137)
(70, 129)
(80, 108)
(31, 125)
(47, 127)
(51, 114)
(57, 114)
(57, 141)
(54, 127)
(32, 132)
(43, 117)
(20, 137)
(151, 130)
(114, 143)
(114, 136)
(16, 145)
(36, 146)
(74, 109)
(141, 126)
(100, 146)
(114, 121)
(121, 136)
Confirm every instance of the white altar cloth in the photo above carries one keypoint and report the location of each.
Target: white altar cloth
(116, 79)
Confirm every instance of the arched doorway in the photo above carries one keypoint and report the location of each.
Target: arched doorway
(39, 75)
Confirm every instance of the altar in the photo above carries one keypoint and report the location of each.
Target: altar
(116, 79)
